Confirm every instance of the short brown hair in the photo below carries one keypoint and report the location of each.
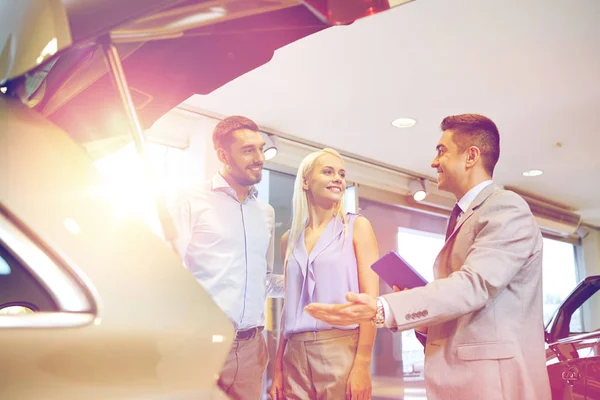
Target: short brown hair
(475, 130)
(222, 134)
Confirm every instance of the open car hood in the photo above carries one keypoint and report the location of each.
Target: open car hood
(170, 50)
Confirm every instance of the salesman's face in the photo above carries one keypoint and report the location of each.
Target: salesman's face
(450, 164)
(245, 157)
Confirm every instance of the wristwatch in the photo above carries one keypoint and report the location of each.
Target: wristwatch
(378, 320)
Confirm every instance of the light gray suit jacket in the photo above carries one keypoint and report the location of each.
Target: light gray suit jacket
(484, 309)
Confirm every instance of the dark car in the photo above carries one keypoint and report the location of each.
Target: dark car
(573, 337)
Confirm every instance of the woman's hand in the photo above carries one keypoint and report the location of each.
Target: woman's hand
(359, 383)
(276, 391)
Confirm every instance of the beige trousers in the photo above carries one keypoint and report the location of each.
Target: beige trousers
(242, 375)
(316, 365)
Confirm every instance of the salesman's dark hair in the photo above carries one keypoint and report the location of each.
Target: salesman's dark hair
(475, 130)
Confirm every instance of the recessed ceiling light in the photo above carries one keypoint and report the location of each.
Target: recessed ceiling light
(404, 122)
(533, 172)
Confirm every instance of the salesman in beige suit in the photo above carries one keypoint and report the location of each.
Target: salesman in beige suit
(483, 312)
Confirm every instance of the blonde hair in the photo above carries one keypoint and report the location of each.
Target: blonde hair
(300, 201)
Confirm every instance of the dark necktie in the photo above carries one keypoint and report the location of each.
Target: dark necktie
(453, 218)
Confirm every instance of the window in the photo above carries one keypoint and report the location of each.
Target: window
(419, 249)
(18, 288)
(559, 275)
(583, 319)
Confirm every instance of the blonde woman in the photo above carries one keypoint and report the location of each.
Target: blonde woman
(326, 254)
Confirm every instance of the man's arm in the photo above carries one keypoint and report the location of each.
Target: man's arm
(420, 333)
(506, 239)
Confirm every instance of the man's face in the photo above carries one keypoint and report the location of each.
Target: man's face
(246, 157)
(450, 164)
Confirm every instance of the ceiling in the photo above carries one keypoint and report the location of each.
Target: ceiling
(532, 66)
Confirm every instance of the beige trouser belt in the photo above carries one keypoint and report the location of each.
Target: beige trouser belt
(321, 335)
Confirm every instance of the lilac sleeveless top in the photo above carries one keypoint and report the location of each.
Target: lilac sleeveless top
(323, 276)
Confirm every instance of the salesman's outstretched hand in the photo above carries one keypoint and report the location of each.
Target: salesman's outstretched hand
(360, 308)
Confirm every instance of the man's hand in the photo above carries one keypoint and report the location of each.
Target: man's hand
(360, 308)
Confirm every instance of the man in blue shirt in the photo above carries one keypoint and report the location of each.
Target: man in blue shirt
(226, 239)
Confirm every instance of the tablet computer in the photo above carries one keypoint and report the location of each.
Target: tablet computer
(394, 270)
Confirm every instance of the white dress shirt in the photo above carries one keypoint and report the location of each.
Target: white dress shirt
(464, 203)
(229, 248)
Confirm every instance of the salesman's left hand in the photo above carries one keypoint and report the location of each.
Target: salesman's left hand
(360, 308)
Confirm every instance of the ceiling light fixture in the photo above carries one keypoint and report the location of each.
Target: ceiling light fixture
(404, 122)
(533, 172)
(270, 148)
(418, 189)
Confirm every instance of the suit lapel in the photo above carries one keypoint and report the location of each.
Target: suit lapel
(477, 202)
(442, 258)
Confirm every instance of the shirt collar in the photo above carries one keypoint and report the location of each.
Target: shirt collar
(465, 202)
(219, 183)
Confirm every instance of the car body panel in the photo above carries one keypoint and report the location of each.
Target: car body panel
(154, 328)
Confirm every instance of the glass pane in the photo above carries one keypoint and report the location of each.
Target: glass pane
(559, 275)
(4, 267)
(580, 325)
(19, 289)
(419, 249)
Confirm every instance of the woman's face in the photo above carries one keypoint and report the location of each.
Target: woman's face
(327, 181)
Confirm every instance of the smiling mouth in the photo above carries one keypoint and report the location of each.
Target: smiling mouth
(335, 189)
(256, 169)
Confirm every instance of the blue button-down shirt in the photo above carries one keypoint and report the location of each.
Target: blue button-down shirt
(229, 247)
